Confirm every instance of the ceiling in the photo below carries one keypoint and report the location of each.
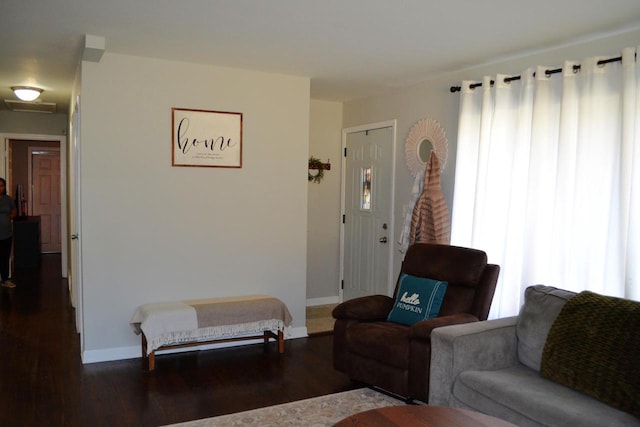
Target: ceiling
(349, 48)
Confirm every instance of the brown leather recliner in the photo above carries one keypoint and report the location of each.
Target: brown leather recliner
(396, 357)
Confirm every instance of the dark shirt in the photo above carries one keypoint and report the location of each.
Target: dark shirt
(6, 206)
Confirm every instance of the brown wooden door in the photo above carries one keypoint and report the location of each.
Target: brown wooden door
(45, 171)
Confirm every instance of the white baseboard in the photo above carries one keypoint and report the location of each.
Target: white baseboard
(311, 302)
(133, 352)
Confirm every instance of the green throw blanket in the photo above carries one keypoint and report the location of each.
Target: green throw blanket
(594, 347)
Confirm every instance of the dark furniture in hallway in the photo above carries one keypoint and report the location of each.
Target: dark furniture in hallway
(26, 242)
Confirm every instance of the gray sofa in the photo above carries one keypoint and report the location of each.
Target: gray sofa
(493, 367)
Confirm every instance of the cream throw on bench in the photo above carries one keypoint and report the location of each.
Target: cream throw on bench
(168, 323)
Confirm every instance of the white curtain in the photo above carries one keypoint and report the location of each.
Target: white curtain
(548, 179)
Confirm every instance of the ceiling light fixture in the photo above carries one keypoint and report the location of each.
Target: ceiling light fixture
(26, 93)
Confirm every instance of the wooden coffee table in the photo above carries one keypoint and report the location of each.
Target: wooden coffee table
(422, 416)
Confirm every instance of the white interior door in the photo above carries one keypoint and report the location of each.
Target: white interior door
(75, 279)
(44, 181)
(367, 208)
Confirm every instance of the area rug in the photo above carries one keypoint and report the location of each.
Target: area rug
(315, 412)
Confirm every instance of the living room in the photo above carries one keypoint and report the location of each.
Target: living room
(154, 232)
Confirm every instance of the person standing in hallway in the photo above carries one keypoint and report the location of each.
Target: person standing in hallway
(8, 212)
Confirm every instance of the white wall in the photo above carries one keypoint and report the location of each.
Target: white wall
(433, 99)
(153, 232)
(323, 246)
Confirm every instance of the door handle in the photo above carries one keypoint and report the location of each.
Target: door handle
(74, 237)
(383, 239)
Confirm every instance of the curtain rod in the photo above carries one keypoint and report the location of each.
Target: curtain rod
(454, 89)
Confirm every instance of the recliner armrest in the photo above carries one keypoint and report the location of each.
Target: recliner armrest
(422, 329)
(372, 307)
(487, 345)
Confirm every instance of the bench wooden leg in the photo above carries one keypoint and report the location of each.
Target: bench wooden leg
(144, 346)
(152, 361)
(151, 357)
(281, 341)
(279, 337)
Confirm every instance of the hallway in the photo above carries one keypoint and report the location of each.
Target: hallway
(43, 382)
(39, 349)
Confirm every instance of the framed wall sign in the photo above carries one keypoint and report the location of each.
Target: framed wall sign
(206, 138)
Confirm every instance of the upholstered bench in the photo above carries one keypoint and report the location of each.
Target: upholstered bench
(179, 324)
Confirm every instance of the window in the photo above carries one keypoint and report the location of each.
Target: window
(365, 198)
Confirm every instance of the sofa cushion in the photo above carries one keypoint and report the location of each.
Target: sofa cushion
(418, 298)
(542, 304)
(594, 347)
(520, 395)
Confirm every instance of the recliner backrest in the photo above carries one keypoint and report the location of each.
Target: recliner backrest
(466, 271)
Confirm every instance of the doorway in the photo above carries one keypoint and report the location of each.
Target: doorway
(17, 168)
(367, 232)
(34, 166)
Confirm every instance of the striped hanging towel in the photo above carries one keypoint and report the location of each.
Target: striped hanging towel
(430, 220)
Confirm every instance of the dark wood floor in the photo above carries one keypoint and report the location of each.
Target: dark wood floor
(43, 382)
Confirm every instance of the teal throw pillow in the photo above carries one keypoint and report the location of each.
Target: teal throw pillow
(418, 299)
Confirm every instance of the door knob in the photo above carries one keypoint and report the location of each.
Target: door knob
(383, 239)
